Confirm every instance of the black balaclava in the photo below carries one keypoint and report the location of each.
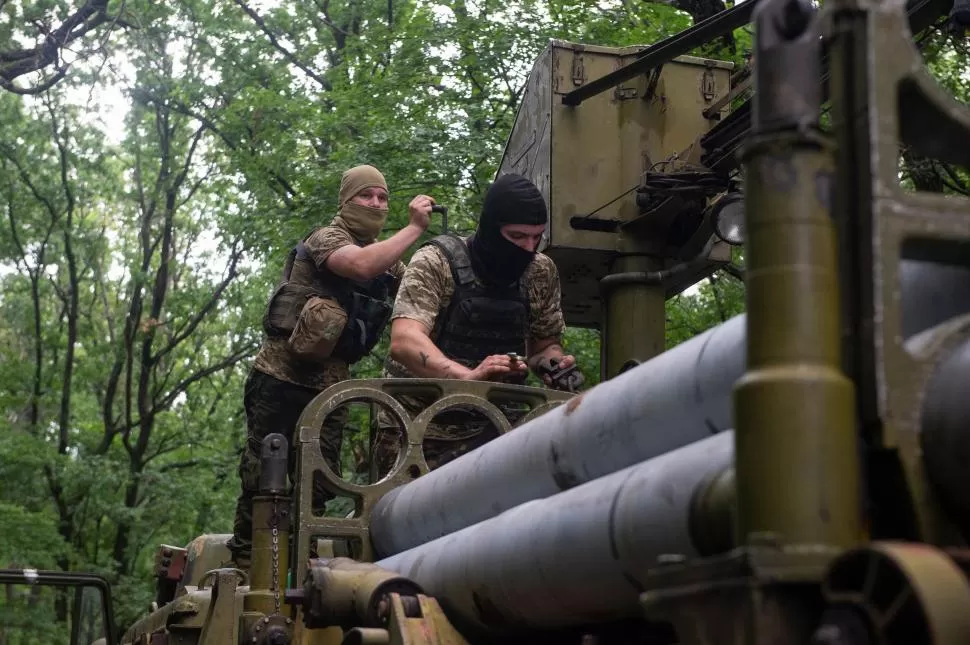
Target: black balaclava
(512, 199)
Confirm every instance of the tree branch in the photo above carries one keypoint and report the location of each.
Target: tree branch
(17, 62)
(182, 465)
(279, 184)
(73, 286)
(184, 384)
(324, 83)
(186, 330)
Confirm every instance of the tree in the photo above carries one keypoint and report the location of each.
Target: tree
(124, 300)
(53, 32)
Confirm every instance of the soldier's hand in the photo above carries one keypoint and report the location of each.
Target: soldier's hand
(419, 211)
(494, 367)
(556, 373)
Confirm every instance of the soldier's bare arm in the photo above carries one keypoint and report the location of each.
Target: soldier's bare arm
(412, 347)
(363, 263)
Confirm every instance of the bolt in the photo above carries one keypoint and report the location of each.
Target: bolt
(277, 636)
(258, 627)
(275, 444)
(828, 635)
(842, 626)
(671, 558)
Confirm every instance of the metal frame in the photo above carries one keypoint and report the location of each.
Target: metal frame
(67, 579)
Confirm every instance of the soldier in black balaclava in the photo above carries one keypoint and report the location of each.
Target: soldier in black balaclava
(472, 308)
(512, 200)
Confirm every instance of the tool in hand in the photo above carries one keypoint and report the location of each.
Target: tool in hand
(568, 379)
(438, 208)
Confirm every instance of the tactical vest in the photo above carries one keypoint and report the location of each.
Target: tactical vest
(479, 321)
(367, 304)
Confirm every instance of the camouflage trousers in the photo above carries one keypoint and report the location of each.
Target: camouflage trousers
(272, 406)
(452, 434)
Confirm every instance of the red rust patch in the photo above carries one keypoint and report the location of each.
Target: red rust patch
(573, 404)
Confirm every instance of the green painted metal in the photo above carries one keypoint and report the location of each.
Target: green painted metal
(797, 458)
(634, 322)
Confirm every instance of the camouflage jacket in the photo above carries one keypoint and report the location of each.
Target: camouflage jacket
(428, 285)
(274, 357)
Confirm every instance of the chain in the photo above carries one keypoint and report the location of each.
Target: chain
(274, 523)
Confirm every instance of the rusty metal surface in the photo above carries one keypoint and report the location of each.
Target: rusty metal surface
(576, 557)
(424, 625)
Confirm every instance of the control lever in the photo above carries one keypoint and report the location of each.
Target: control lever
(438, 208)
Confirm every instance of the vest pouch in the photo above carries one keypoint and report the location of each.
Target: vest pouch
(318, 328)
(490, 311)
(285, 306)
(367, 319)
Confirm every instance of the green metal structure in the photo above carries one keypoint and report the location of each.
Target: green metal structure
(796, 475)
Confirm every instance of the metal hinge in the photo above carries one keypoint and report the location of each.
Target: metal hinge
(624, 93)
(579, 70)
(708, 87)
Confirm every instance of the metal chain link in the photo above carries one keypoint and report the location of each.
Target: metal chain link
(274, 523)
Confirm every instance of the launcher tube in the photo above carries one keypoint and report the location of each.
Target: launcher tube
(579, 556)
(675, 399)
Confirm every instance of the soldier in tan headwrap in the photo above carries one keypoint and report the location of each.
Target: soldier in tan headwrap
(327, 312)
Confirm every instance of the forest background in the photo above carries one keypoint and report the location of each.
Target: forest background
(157, 161)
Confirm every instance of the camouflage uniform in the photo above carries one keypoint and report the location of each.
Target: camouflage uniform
(277, 390)
(425, 293)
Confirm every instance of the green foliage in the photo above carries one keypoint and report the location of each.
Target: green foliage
(124, 421)
(134, 269)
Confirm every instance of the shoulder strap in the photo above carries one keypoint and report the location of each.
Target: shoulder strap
(456, 252)
(298, 252)
(290, 259)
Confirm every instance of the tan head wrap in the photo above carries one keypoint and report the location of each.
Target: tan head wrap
(363, 222)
